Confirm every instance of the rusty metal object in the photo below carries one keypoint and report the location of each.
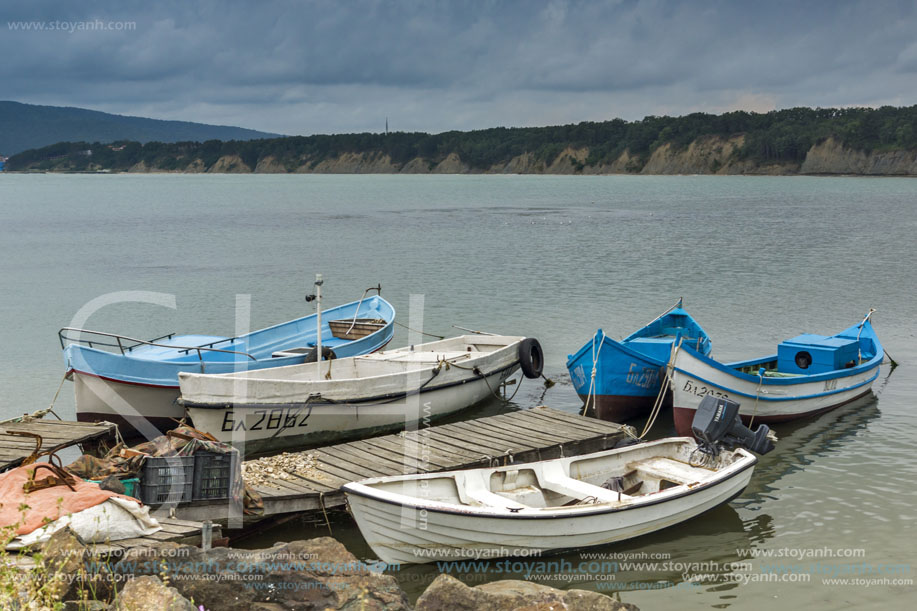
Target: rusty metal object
(36, 453)
(59, 477)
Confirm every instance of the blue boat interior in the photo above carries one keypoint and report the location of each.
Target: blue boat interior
(810, 354)
(293, 336)
(655, 340)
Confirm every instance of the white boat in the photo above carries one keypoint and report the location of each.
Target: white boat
(528, 509)
(316, 403)
(810, 374)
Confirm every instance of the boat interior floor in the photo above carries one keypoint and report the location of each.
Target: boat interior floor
(550, 486)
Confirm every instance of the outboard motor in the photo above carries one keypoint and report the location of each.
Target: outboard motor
(717, 422)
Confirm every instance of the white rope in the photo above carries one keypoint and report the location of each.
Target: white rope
(595, 362)
(757, 393)
(663, 388)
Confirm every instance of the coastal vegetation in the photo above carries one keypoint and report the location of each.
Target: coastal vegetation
(742, 142)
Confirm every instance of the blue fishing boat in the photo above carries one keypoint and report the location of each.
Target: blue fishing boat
(810, 374)
(134, 383)
(620, 380)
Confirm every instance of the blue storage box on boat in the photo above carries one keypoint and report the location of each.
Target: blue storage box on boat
(810, 354)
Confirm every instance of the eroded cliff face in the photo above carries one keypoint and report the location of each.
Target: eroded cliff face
(707, 155)
(831, 157)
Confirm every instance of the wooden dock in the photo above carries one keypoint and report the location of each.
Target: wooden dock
(535, 434)
(173, 530)
(184, 532)
(55, 434)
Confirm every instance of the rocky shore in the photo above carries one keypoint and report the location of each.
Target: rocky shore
(301, 575)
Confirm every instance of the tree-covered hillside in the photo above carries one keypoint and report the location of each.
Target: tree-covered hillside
(782, 136)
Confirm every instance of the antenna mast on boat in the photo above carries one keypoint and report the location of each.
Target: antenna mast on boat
(318, 321)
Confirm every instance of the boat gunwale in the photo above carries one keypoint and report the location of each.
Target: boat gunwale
(747, 461)
(132, 355)
(835, 374)
(190, 404)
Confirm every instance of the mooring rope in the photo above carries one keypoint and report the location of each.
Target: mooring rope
(757, 393)
(417, 331)
(54, 400)
(477, 371)
(321, 501)
(595, 364)
(663, 388)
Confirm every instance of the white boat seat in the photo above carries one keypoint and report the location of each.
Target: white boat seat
(667, 469)
(553, 477)
(474, 491)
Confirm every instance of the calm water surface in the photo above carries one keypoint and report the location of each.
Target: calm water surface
(757, 260)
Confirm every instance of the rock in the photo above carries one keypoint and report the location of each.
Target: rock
(447, 593)
(63, 558)
(315, 574)
(150, 594)
(113, 484)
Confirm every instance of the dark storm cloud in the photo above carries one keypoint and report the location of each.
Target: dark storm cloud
(304, 67)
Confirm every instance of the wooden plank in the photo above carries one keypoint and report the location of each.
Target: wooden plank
(406, 460)
(344, 469)
(498, 435)
(317, 483)
(540, 438)
(585, 421)
(51, 431)
(581, 425)
(445, 456)
(357, 464)
(464, 454)
(485, 449)
(377, 460)
(564, 432)
(285, 487)
(59, 425)
(335, 478)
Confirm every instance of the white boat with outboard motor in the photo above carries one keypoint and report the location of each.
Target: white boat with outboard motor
(574, 502)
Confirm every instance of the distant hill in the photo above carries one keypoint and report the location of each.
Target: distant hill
(869, 141)
(27, 126)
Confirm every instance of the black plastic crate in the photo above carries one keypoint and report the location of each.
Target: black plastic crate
(214, 475)
(167, 480)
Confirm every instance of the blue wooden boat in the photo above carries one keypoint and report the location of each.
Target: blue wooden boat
(620, 380)
(810, 374)
(134, 383)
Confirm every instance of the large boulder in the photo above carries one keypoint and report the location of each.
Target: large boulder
(150, 594)
(301, 575)
(63, 558)
(447, 593)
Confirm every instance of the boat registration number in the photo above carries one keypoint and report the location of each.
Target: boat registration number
(267, 419)
(700, 391)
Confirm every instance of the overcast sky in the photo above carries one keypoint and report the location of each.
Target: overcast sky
(304, 67)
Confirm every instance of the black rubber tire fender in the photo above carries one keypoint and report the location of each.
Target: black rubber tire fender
(531, 357)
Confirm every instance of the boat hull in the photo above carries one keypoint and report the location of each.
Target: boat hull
(766, 400)
(629, 374)
(416, 532)
(138, 410)
(266, 429)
